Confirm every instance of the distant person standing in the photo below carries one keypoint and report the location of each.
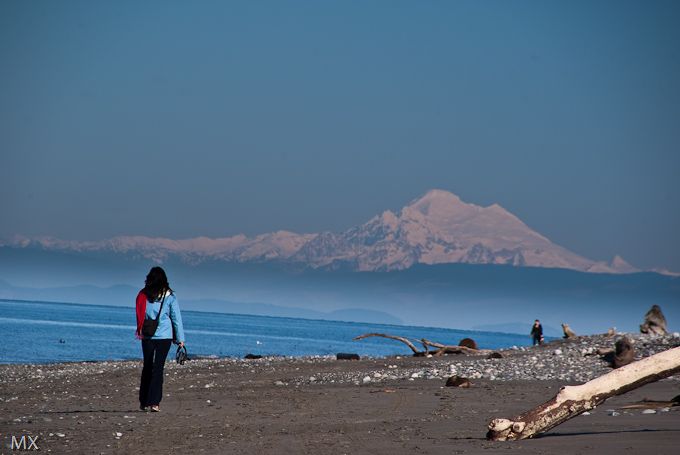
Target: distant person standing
(159, 323)
(537, 332)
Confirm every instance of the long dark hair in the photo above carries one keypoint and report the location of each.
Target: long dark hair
(156, 284)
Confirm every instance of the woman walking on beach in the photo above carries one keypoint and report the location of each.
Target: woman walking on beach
(159, 322)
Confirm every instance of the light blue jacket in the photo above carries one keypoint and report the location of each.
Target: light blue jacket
(170, 317)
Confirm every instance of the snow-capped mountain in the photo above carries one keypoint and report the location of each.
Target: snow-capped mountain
(436, 228)
(440, 228)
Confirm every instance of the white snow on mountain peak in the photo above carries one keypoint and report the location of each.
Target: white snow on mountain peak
(438, 203)
(436, 228)
(621, 265)
(444, 215)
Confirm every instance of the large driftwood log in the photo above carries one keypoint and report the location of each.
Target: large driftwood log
(441, 349)
(574, 400)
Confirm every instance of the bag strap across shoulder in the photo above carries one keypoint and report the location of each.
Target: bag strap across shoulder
(158, 316)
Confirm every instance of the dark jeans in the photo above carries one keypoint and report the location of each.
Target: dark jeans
(151, 387)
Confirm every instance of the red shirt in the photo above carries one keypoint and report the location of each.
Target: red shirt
(140, 310)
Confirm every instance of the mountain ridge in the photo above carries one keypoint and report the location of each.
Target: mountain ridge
(435, 228)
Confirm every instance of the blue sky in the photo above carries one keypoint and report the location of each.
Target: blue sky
(181, 119)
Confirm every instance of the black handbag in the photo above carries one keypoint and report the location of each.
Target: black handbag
(181, 355)
(149, 326)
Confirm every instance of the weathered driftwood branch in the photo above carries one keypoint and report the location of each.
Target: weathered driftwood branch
(448, 349)
(391, 337)
(574, 400)
(441, 349)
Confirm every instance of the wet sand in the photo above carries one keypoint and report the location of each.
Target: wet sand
(272, 406)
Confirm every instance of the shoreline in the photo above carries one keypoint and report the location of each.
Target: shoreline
(390, 405)
(584, 344)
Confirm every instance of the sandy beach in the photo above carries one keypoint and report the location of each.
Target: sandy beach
(322, 405)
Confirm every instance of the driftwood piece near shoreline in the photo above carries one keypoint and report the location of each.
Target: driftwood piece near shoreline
(458, 381)
(622, 354)
(441, 349)
(574, 400)
(447, 349)
(406, 341)
(655, 322)
(347, 356)
(468, 343)
(568, 333)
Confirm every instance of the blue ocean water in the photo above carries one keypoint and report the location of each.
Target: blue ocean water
(40, 332)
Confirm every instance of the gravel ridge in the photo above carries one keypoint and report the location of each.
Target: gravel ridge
(570, 360)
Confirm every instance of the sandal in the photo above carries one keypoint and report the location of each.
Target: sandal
(155, 408)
